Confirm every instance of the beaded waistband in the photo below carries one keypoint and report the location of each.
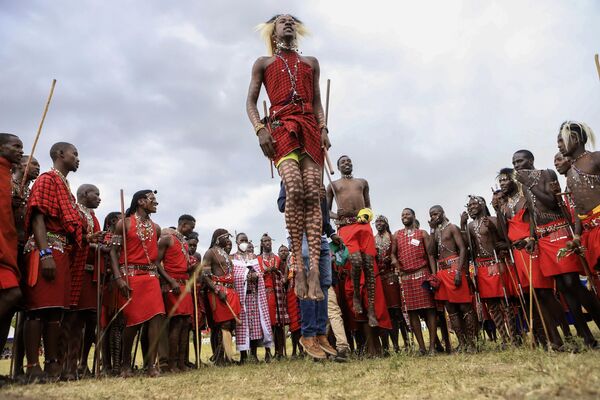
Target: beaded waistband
(549, 229)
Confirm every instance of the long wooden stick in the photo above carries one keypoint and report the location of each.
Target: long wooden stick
(196, 324)
(98, 314)
(327, 159)
(37, 137)
(597, 64)
(268, 128)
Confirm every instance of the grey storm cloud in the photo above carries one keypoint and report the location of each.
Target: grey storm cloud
(430, 100)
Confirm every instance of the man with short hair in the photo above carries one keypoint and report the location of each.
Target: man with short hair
(451, 256)
(553, 233)
(58, 232)
(173, 252)
(352, 218)
(88, 199)
(11, 152)
(517, 216)
(410, 256)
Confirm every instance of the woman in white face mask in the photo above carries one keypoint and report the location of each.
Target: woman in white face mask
(255, 329)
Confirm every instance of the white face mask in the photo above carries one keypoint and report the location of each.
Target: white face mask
(243, 247)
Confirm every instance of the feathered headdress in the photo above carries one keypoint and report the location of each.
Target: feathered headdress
(583, 132)
(267, 30)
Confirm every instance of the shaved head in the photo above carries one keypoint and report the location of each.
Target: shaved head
(84, 189)
(57, 148)
(7, 137)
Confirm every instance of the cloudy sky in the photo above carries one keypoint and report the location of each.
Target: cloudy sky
(429, 99)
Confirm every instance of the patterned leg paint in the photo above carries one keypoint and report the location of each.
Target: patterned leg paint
(356, 263)
(370, 283)
(294, 218)
(456, 324)
(497, 314)
(471, 328)
(313, 225)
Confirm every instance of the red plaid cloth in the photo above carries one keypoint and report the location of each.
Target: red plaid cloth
(414, 295)
(88, 296)
(255, 308)
(411, 256)
(53, 198)
(293, 122)
(275, 291)
(9, 272)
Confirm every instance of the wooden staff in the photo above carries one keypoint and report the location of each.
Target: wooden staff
(267, 126)
(98, 313)
(327, 159)
(237, 320)
(597, 64)
(37, 137)
(196, 324)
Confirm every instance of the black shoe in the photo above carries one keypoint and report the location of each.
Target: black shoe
(342, 355)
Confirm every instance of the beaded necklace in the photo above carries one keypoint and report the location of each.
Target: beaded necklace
(383, 244)
(512, 202)
(438, 236)
(293, 76)
(477, 229)
(66, 182)
(222, 253)
(145, 231)
(87, 213)
(590, 179)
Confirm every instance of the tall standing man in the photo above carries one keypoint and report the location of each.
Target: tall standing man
(410, 256)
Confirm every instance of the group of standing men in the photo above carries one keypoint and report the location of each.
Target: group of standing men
(61, 266)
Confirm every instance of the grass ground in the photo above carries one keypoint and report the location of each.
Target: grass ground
(491, 374)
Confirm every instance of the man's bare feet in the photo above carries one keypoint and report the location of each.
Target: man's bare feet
(153, 372)
(301, 288)
(314, 285)
(126, 373)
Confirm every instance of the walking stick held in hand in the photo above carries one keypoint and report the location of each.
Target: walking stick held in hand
(37, 137)
(98, 314)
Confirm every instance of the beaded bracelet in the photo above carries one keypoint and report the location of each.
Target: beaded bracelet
(258, 127)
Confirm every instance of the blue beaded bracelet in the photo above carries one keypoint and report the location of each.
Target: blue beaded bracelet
(45, 252)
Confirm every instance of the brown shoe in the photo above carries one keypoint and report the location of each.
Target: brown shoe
(325, 346)
(312, 348)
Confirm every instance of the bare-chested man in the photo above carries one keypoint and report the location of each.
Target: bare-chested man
(492, 280)
(450, 252)
(529, 273)
(293, 137)
(552, 233)
(352, 217)
(223, 299)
